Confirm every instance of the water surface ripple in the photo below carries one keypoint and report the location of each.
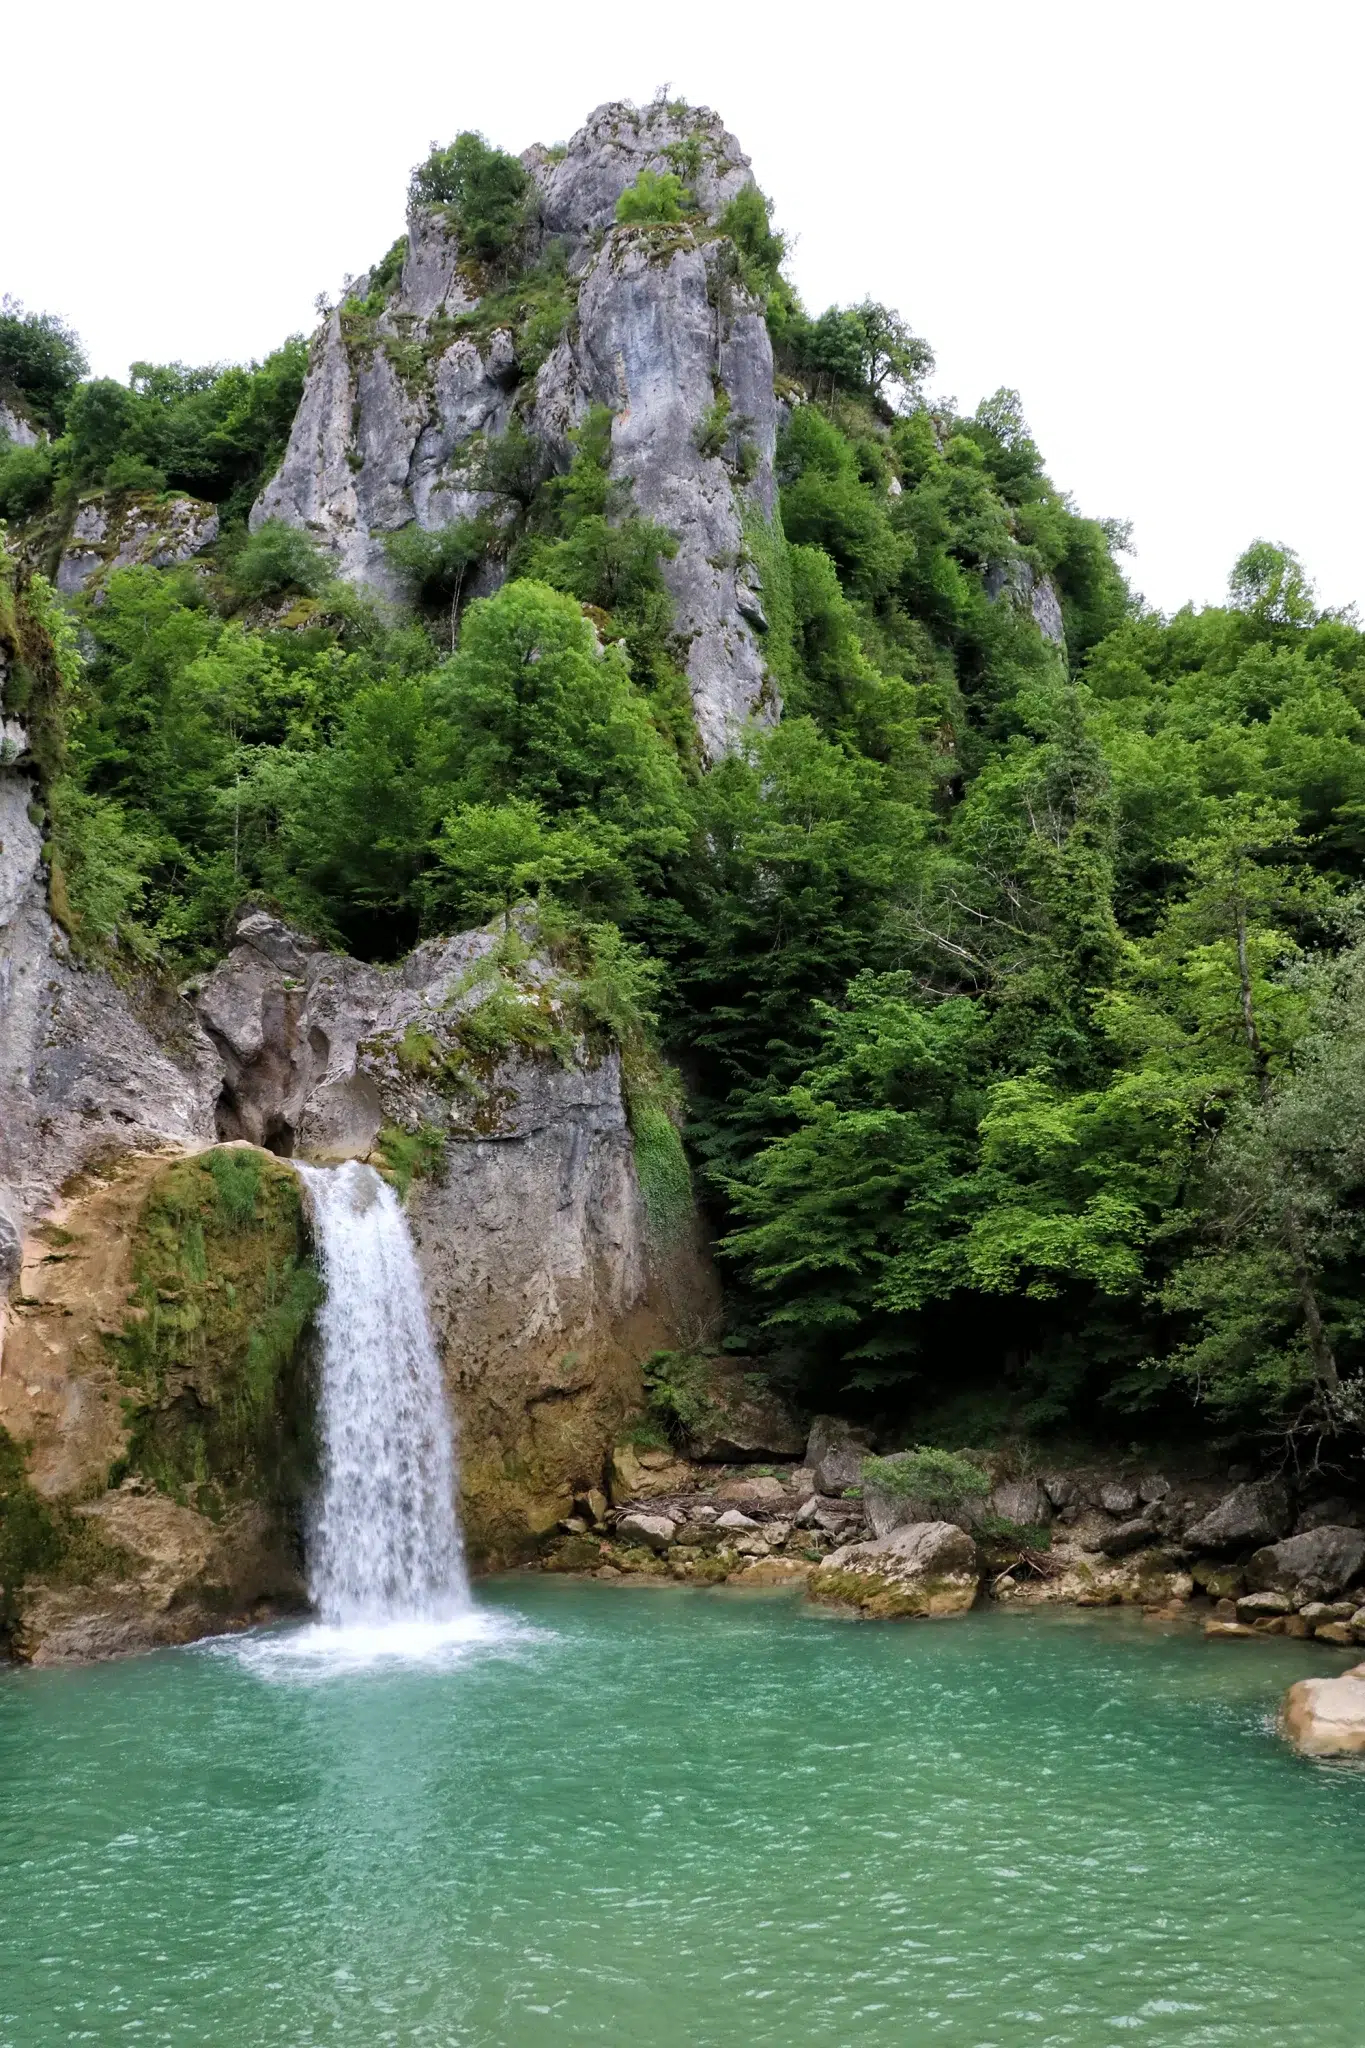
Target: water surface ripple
(598, 1814)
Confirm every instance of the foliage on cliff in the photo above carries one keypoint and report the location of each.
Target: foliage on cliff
(1013, 973)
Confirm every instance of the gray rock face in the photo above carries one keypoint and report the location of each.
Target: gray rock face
(85, 1067)
(393, 417)
(1313, 1566)
(14, 428)
(1021, 587)
(578, 195)
(1253, 1514)
(109, 534)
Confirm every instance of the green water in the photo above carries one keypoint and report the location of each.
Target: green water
(682, 1818)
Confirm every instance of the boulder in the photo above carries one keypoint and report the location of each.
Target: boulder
(1339, 1633)
(1253, 1514)
(1127, 1536)
(1061, 1490)
(1153, 1488)
(657, 1531)
(1318, 1613)
(1326, 1716)
(835, 1451)
(734, 1519)
(1334, 1512)
(744, 1417)
(1315, 1566)
(632, 1479)
(1119, 1499)
(926, 1568)
(1024, 1502)
(761, 1490)
(1256, 1606)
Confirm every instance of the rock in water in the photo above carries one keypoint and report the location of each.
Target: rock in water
(1313, 1566)
(1251, 1515)
(927, 1568)
(1326, 1716)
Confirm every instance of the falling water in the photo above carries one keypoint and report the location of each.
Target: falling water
(386, 1542)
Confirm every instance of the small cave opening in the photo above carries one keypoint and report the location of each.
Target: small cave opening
(278, 1137)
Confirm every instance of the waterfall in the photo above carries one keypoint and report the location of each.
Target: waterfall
(386, 1541)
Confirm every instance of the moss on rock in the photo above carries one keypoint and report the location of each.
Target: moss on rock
(213, 1351)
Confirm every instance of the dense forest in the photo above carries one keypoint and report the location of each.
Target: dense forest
(1017, 986)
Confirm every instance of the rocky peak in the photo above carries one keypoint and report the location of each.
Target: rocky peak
(401, 400)
(578, 193)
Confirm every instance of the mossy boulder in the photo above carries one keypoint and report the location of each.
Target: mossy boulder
(925, 1569)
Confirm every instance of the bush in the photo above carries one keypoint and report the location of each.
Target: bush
(483, 191)
(943, 1480)
(278, 558)
(656, 196)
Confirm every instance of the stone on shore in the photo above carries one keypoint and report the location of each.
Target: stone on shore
(922, 1569)
(657, 1531)
(1251, 1515)
(1326, 1716)
(1315, 1566)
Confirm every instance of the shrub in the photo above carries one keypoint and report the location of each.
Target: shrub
(943, 1480)
(275, 559)
(483, 191)
(656, 196)
(41, 362)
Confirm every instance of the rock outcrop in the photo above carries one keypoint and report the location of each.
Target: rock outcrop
(14, 428)
(1017, 584)
(923, 1569)
(117, 532)
(400, 402)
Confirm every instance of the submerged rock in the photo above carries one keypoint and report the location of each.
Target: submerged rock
(1326, 1716)
(926, 1568)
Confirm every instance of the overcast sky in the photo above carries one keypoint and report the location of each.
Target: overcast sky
(1144, 214)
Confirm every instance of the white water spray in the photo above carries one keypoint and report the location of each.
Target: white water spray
(386, 1543)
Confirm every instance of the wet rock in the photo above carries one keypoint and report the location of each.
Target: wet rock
(767, 1572)
(925, 1569)
(657, 1531)
(1314, 1566)
(1253, 1514)
(1230, 1631)
(1326, 1716)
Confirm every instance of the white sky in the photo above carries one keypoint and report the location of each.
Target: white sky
(1145, 214)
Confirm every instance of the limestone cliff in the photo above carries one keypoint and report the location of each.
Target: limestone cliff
(653, 322)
